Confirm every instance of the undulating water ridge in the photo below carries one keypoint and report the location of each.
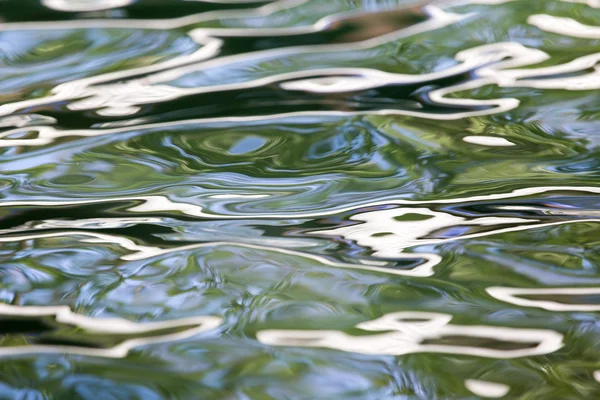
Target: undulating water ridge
(299, 199)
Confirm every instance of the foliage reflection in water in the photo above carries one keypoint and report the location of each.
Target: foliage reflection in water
(299, 199)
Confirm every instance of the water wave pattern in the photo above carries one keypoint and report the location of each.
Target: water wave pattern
(303, 199)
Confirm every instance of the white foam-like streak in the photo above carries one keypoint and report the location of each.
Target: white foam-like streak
(108, 326)
(512, 295)
(407, 337)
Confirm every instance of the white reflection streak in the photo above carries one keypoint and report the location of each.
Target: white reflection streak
(553, 211)
(422, 270)
(476, 58)
(155, 23)
(92, 237)
(87, 223)
(140, 252)
(20, 121)
(84, 5)
(511, 295)
(591, 3)
(117, 97)
(480, 55)
(149, 204)
(381, 231)
(389, 237)
(85, 87)
(488, 141)
(588, 81)
(487, 389)
(163, 203)
(403, 233)
(96, 95)
(238, 196)
(439, 18)
(407, 337)
(108, 326)
(564, 26)
(484, 2)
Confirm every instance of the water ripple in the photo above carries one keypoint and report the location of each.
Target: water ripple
(299, 199)
(419, 332)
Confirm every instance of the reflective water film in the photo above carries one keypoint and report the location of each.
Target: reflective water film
(299, 199)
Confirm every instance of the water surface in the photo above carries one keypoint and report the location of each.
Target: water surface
(299, 199)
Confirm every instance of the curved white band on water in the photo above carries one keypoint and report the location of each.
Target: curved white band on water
(492, 390)
(110, 326)
(407, 332)
(512, 295)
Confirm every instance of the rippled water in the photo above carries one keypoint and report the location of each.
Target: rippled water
(299, 199)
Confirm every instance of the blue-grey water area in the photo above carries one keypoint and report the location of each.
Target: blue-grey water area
(299, 199)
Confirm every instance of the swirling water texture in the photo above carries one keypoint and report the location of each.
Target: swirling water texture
(299, 199)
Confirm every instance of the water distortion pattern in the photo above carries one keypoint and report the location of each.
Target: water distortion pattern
(300, 199)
